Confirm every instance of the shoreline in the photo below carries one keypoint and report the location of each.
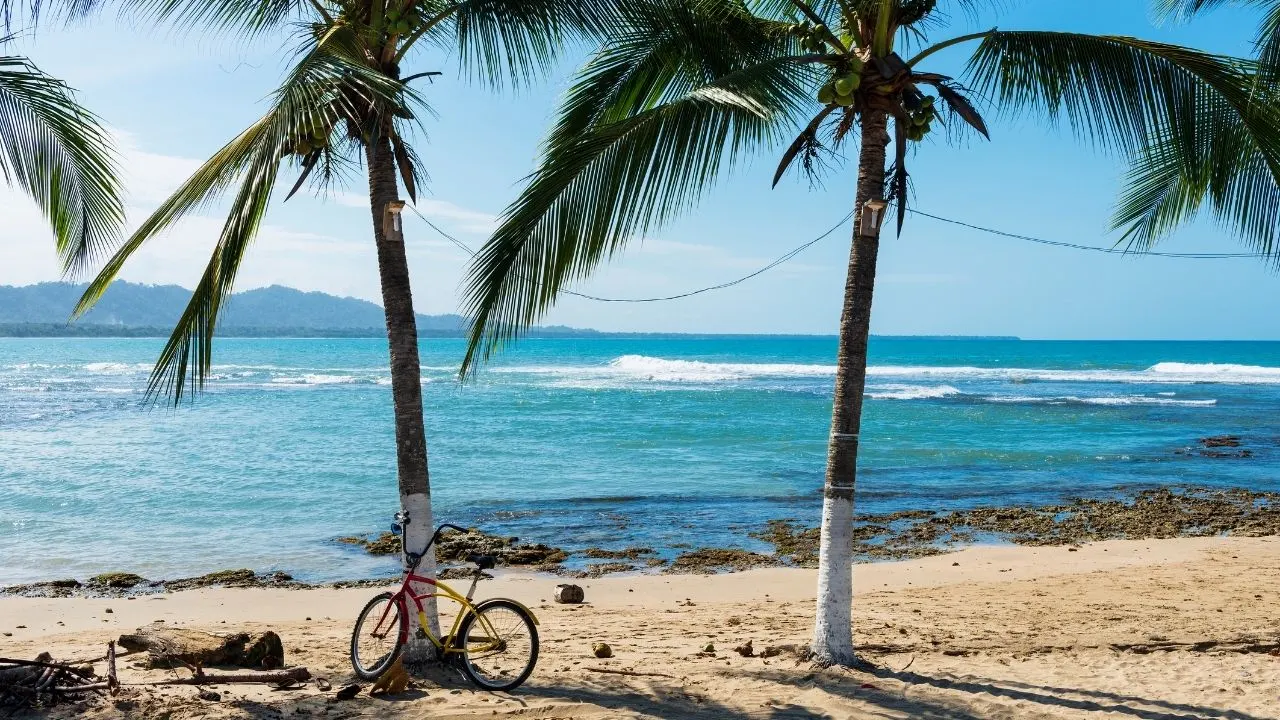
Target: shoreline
(1169, 512)
(1159, 628)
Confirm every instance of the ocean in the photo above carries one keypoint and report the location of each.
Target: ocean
(666, 442)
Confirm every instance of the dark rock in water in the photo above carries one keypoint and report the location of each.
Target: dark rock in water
(232, 578)
(51, 588)
(569, 594)
(460, 573)
(634, 553)
(454, 547)
(601, 569)
(116, 580)
(711, 560)
(1159, 513)
(1212, 447)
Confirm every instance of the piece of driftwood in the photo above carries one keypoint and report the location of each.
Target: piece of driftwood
(295, 674)
(42, 681)
(568, 594)
(194, 648)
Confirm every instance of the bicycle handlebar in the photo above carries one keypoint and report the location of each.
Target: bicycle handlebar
(402, 519)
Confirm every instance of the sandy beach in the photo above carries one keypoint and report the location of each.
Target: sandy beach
(1177, 628)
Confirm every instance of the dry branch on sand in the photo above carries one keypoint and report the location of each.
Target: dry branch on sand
(42, 682)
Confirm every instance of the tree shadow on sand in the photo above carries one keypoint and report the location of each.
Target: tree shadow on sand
(1121, 705)
(671, 702)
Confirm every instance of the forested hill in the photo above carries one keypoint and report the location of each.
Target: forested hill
(132, 309)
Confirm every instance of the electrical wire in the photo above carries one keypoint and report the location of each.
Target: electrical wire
(1091, 248)
(801, 248)
(782, 259)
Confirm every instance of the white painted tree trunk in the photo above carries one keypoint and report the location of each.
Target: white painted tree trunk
(832, 628)
(833, 625)
(417, 533)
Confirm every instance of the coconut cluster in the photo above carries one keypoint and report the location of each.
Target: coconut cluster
(921, 119)
(399, 22)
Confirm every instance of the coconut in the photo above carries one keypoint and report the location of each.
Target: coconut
(846, 84)
(826, 94)
(844, 100)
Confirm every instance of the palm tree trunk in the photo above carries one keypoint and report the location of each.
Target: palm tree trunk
(406, 378)
(833, 629)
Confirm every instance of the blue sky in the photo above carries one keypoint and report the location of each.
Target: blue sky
(174, 99)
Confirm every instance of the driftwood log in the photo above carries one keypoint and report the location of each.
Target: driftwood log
(169, 646)
(569, 594)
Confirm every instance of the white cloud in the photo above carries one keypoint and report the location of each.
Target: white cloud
(456, 217)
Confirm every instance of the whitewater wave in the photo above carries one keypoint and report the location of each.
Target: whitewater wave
(643, 368)
(1160, 373)
(1106, 400)
(653, 369)
(116, 368)
(911, 392)
(316, 379)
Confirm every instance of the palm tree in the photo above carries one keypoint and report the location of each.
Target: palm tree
(686, 89)
(344, 103)
(59, 154)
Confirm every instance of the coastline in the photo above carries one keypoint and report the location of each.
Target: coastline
(1169, 512)
(1182, 626)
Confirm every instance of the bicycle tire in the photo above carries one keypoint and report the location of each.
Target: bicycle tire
(530, 625)
(376, 670)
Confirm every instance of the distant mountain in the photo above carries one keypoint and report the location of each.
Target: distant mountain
(133, 309)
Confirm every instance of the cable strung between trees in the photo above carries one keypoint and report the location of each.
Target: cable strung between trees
(801, 248)
(784, 258)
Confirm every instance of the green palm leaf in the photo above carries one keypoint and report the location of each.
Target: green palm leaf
(1187, 120)
(329, 82)
(651, 122)
(59, 154)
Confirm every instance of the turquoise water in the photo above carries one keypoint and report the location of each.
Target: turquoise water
(610, 442)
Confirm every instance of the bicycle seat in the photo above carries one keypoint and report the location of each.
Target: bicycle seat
(484, 562)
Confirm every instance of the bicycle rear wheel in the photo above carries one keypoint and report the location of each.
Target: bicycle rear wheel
(377, 639)
(499, 644)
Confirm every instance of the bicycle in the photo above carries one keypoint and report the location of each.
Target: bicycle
(494, 642)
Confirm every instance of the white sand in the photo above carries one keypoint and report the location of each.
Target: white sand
(1124, 629)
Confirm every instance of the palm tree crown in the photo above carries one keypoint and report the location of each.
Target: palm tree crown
(344, 95)
(685, 89)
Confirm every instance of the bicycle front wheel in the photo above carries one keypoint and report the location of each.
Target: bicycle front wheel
(499, 645)
(378, 638)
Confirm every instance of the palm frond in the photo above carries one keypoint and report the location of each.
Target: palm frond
(58, 153)
(1266, 41)
(1165, 187)
(617, 180)
(251, 17)
(36, 11)
(1183, 116)
(511, 42)
(328, 84)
